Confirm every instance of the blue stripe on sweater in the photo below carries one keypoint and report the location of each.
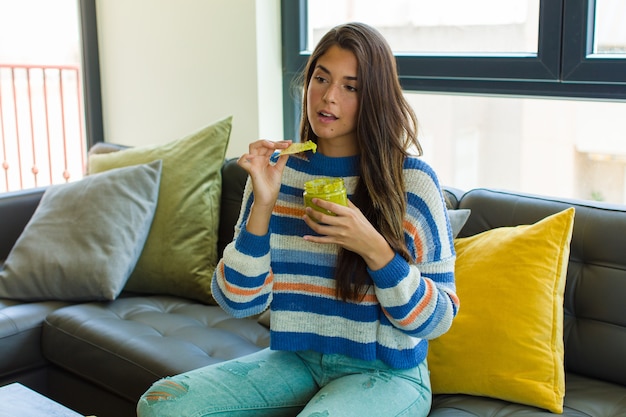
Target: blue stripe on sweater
(321, 165)
(289, 226)
(399, 359)
(319, 265)
(384, 321)
(423, 167)
(295, 268)
(428, 325)
(244, 281)
(291, 194)
(431, 323)
(304, 257)
(443, 278)
(257, 246)
(405, 309)
(331, 307)
(322, 344)
(419, 209)
(240, 310)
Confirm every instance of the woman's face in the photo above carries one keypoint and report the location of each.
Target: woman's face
(332, 101)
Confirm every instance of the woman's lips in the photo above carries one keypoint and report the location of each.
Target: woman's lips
(326, 117)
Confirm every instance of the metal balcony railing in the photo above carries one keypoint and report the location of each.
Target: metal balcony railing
(41, 126)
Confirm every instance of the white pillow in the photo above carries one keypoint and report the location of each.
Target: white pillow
(458, 219)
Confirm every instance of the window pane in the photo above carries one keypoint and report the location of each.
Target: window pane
(443, 26)
(609, 28)
(41, 103)
(560, 148)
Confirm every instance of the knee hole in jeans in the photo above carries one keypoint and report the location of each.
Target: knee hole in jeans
(165, 390)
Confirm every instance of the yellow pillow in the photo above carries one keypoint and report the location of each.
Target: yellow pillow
(507, 340)
(180, 254)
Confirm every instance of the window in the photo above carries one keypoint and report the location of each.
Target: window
(549, 69)
(527, 97)
(609, 36)
(437, 27)
(46, 107)
(567, 148)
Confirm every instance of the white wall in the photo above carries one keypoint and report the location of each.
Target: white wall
(170, 67)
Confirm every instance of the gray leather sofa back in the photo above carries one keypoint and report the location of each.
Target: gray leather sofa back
(233, 182)
(18, 206)
(595, 292)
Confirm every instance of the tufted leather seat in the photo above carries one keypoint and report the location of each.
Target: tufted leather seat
(20, 340)
(129, 343)
(584, 397)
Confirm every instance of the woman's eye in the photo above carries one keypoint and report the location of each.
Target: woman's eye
(351, 88)
(320, 79)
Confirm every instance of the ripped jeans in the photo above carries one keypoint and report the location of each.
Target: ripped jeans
(279, 383)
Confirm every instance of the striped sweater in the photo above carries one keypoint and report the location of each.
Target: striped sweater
(408, 303)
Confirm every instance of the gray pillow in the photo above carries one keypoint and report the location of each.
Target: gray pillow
(84, 238)
(457, 220)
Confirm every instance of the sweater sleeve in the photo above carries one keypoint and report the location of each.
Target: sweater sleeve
(242, 281)
(419, 297)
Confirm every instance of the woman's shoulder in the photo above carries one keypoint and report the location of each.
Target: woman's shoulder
(415, 167)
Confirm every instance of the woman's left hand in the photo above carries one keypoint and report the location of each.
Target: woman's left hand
(350, 229)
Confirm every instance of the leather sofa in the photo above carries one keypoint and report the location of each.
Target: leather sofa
(99, 357)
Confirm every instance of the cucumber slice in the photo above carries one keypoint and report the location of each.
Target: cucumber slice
(299, 147)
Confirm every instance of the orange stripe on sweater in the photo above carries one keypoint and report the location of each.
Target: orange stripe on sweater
(245, 292)
(315, 289)
(421, 306)
(454, 298)
(289, 211)
(419, 246)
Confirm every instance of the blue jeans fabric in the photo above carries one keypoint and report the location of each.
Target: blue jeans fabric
(278, 383)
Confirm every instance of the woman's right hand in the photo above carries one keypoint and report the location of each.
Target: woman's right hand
(266, 178)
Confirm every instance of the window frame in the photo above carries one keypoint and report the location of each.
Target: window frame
(580, 64)
(564, 65)
(92, 93)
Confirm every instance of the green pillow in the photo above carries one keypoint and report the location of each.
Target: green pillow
(180, 254)
(84, 238)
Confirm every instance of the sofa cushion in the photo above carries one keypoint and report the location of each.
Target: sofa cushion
(20, 336)
(180, 254)
(126, 345)
(84, 238)
(584, 397)
(507, 340)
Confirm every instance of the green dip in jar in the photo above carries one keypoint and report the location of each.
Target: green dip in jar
(329, 189)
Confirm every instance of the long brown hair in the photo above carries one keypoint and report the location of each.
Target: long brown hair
(386, 130)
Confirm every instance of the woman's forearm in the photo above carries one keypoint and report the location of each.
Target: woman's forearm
(259, 219)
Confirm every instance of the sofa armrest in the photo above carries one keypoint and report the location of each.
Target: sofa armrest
(16, 209)
(233, 183)
(452, 196)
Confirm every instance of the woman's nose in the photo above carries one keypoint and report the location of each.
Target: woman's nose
(330, 94)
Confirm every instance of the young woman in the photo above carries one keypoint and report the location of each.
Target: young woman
(355, 292)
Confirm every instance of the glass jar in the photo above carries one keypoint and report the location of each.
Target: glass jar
(329, 189)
